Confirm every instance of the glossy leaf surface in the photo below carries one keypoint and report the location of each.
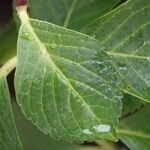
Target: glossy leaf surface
(66, 84)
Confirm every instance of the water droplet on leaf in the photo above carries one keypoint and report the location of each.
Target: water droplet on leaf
(102, 128)
(53, 45)
(87, 131)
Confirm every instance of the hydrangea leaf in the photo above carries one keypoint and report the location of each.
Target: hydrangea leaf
(9, 138)
(134, 130)
(65, 83)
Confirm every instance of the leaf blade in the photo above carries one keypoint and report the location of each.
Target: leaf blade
(8, 136)
(70, 13)
(28, 131)
(132, 134)
(66, 85)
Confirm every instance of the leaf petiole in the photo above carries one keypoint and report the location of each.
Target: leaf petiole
(8, 67)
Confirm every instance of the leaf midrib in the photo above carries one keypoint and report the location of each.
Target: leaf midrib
(69, 14)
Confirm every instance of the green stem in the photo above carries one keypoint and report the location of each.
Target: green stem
(133, 133)
(8, 67)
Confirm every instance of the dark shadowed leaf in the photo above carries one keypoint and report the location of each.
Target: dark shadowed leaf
(8, 134)
(134, 131)
(125, 32)
(34, 139)
(70, 13)
(131, 104)
(8, 41)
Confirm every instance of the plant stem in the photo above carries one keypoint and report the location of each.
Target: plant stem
(22, 12)
(8, 67)
(133, 133)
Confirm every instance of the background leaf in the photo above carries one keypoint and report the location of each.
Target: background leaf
(32, 138)
(66, 84)
(134, 130)
(8, 134)
(125, 32)
(8, 41)
(130, 104)
(73, 14)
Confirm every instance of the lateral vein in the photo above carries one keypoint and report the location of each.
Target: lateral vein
(117, 54)
(70, 12)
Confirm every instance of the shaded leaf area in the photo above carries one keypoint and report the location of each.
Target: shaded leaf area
(130, 104)
(73, 14)
(134, 130)
(89, 148)
(125, 32)
(32, 138)
(66, 84)
(107, 145)
(5, 12)
(8, 135)
(8, 41)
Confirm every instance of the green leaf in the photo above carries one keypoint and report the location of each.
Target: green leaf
(135, 131)
(8, 134)
(130, 104)
(65, 83)
(107, 145)
(8, 40)
(90, 148)
(74, 14)
(34, 139)
(125, 32)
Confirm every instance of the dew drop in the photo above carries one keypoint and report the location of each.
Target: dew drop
(102, 128)
(145, 42)
(28, 36)
(53, 45)
(123, 68)
(105, 97)
(27, 94)
(87, 131)
(93, 36)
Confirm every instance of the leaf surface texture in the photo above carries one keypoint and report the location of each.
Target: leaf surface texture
(66, 84)
(9, 138)
(125, 33)
(134, 130)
